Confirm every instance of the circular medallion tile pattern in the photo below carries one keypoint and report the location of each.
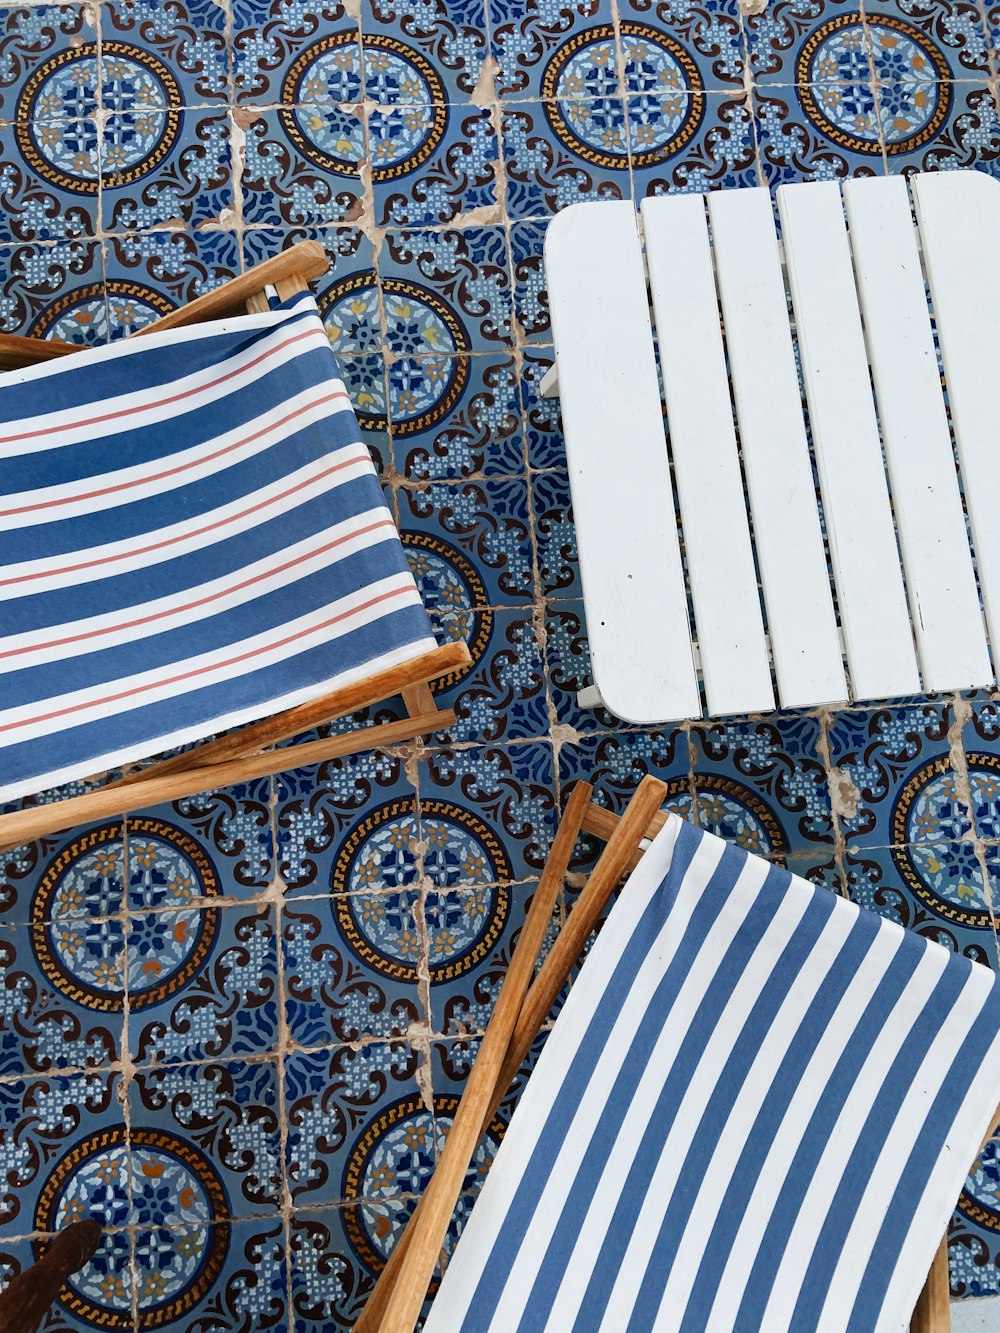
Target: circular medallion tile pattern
(580, 92)
(429, 369)
(329, 72)
(980, 1201)
(461, 853)
(156, 1181)
(395, 1155)
(56, 127)
(453, 592)
(77, 931)
(914, 95)
(730, 810)
(928, 812)
(86, 313)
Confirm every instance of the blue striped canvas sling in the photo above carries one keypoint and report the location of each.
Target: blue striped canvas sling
(755, 1113)
(192, 535)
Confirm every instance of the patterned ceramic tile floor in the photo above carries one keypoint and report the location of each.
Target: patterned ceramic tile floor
(235, 1028)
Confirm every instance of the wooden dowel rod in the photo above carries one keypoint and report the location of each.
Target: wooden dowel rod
(38, 820)
(932, 1312)
(17, 351)
(307, 260)
(293, 721)
(27, 1299)
(582, 921)
(543, 992)
(402, 1284)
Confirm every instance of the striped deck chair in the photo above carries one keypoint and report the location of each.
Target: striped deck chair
(193, 541)
(755, 1111)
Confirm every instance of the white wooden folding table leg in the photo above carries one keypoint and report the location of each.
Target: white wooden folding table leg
(630, 563)
(721, 570)
(873, 609)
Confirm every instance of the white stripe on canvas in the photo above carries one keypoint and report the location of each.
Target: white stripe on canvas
(200, 601)
(157, 404)
(277, 644)
(129, 484)
(153, 547)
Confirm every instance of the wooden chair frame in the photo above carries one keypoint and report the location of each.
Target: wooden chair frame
(244, 753)
(521, 1009)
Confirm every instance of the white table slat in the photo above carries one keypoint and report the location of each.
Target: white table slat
(630, 561)
(872, 600)
(801, 622)
(940, 579)
(959, 217)
(721, 572)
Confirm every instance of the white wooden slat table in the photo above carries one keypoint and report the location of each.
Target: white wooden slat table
(895, 608)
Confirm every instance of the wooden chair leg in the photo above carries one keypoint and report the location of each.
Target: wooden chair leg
(394, 1305)
(932, 1312)
(29, 1296)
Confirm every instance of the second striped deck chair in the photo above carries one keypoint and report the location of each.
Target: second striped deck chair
(755, 1111)
(193, 541)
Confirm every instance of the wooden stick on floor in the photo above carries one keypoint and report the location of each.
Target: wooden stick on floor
(29, 1296)
(37, 820)
(394, 1305)
(932, 1312)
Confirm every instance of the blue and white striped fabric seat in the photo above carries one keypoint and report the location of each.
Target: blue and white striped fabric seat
(192, 535)
(755, 1113)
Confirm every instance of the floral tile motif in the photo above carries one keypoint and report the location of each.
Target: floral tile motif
(228, 1112)
(981, 743)
(149, 273)
(894, 777)
(531, 300)
(799, 41)
(549, 167)
(42, 201)
(53, 291)
(799, 142)
(544, 442)
(503, 697)
(486, 521)
(41, 1118)
(935, 889)
(691, 143)
(503, 796)
(763, 784)
(189, 38)
(66, 877)
(165, 167)
(60, 999)
(528, 37)
(203, 984)
(336, 991)
(450, 36)
(568, 669)
(969, 136)
(909, 37)
(346, 803)
(48, 63)
(431, 163)
(446, 293)
(300, 165)
(338, 1102)
(555, 535)
(668, 45)
(465, 989)
(480, 434)
(288, 51)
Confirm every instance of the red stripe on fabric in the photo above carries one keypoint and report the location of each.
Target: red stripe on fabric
(200, 671)
(200, 601)
(170, 472)
(132, 552)
(162, 402)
